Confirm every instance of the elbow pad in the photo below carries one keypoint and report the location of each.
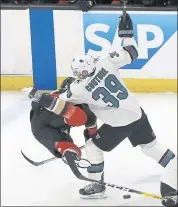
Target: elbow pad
(74, 116)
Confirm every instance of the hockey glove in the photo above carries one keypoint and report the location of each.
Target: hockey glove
(64, 147)
(45, 100)
(86, 5)
(125, 26)
(66, 83)
(32, 92)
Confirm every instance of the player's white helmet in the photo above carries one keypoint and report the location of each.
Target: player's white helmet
(83, 66)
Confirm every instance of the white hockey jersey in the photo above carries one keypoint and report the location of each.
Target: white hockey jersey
(105, 92)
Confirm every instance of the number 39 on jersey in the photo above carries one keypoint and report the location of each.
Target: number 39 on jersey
(111, 92)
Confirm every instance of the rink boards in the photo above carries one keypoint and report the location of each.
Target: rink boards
(38, 46)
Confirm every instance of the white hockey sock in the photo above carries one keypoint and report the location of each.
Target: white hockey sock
(170, 174)
(166, 158)
(157, 152)
(96, 158)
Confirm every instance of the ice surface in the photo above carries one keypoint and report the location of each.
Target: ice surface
(53, 183)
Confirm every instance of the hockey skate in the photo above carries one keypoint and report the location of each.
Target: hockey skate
(93, 191)
(171, 200)
(169, 184)
(169, 196)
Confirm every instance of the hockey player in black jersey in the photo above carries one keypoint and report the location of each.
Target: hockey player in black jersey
(53, 130)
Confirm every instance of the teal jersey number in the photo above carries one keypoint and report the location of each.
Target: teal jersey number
(112, 92)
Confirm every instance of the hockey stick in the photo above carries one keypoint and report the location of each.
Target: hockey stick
(71, 162)
(43, 161)
(38, 163)
(124, 10)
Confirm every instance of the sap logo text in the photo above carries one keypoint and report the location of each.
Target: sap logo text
(143, 43)
(150, 31)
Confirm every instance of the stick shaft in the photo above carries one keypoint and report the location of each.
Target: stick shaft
(43, 161)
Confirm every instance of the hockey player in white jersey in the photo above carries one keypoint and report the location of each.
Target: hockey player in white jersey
(101, 87)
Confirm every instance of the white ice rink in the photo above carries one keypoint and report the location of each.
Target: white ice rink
(54, 184)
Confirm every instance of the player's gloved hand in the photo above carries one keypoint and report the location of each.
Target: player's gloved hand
(31, 92)
(171, 200)
(125, 29)
(34, 92)
(73, 115)
(66, 83)
(64, 147)
(85, 5)
(45, 100)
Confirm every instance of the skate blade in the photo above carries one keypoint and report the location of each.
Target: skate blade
(94, 196)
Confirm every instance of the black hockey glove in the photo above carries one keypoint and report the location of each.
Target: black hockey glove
(66, 83)
(39, 99)
(46, 101)
(125, 26)
(85, 5)
(32, 93)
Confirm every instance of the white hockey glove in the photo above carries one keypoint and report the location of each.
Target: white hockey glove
(45, 100)
(32, 92)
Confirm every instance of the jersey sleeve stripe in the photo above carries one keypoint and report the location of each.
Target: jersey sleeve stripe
(132, 52)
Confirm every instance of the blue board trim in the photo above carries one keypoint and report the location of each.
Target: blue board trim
(43, 49)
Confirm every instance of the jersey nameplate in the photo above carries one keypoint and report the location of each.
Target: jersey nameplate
(97, 79)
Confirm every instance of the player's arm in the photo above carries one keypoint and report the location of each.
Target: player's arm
(129, 51)
(74, 93)
(73, 115)
(63, 105)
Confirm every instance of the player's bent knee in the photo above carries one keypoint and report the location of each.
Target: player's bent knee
(48, 136)
(107, 137)
(142, 132)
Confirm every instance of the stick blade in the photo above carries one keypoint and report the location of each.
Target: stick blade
(29, 160)
(71, 162)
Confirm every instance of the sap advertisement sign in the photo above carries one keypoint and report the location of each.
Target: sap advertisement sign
(151, 31)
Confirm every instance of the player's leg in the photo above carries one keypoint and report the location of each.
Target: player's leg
(96, 158)
(144, 136)
(95, 172)
(105, 138)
